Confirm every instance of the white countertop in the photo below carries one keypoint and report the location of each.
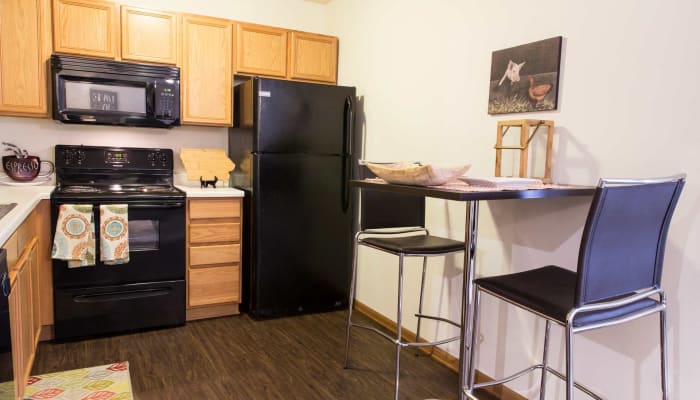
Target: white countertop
(26, 197)
(196, 191)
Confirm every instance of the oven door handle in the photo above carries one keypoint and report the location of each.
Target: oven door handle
(156, 205)
(117, 296)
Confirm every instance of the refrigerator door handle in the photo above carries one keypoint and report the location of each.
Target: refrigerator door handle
(348, 127)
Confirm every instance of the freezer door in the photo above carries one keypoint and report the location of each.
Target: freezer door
(298, 117)
(302, 229)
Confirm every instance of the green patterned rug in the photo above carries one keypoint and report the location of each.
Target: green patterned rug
(106, 382)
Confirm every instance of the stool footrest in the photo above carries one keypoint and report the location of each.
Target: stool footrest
(402, 343)
(524, 372)
(438, 319)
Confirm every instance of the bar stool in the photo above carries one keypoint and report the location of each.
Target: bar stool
(394, 223)
(618, 278)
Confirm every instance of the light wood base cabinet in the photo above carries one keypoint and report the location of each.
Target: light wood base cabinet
(26, 259)
(213, 257)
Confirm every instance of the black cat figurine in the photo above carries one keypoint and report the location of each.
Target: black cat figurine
(204, 184)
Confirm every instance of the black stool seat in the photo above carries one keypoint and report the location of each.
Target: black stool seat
(550, 291)
(419, 244)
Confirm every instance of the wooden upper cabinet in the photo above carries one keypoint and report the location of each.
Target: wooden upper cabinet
(261, 50)
(313, 57)
(25, 46)
(206, 71)
(148, 35)
(85, 27)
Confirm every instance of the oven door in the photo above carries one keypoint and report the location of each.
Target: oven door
(147, 292)
(156, 248)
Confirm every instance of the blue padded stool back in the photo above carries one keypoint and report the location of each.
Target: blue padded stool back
(624, 239)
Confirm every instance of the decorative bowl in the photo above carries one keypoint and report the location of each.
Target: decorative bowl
(408, 173)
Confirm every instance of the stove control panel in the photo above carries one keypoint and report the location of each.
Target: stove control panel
(73, 158)
(84, 159)
(157, 159)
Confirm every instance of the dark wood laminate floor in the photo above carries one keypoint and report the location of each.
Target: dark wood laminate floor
(238, 358)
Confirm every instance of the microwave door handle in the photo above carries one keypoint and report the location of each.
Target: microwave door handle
(150, 98)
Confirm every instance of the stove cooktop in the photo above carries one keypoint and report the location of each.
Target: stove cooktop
(97, 173)
(116, 192)
(117, 189)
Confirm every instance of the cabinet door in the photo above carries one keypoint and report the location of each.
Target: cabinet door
(85, 27)
(21, 322)
(16, 326)
(25, 46)
(206, 71)
(45, 267)
(261, 50)
(313, 57)
(149, 36)
(35, 294)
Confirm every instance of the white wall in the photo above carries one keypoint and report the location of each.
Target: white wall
(40, 135)
(628, 97)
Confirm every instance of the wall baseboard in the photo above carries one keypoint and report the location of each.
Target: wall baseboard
(438, 354)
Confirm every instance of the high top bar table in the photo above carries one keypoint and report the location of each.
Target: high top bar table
(472, 198)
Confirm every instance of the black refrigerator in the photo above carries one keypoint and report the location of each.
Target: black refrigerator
(293, 152)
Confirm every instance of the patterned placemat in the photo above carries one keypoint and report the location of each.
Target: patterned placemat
(106, 382)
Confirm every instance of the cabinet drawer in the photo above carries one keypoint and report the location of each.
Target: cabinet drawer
(212, 233)
(213, 285)
(215, 208)
(207, 255)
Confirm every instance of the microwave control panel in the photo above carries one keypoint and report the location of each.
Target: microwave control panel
(167, 99)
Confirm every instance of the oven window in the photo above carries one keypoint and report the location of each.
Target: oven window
(94, 96)
(144, 235)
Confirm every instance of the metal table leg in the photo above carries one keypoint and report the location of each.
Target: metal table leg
(470, 232)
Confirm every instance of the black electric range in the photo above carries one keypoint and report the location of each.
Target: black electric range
(149, 290)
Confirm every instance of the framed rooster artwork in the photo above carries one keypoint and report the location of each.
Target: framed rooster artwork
(525, 78)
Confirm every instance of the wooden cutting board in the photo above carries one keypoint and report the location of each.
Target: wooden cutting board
(206, 163)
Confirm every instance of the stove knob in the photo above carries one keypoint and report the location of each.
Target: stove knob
(67, 156)
(162, 158)
(151, 159)
(80, 157)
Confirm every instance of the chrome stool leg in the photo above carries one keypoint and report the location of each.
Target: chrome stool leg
(474, 339)
(351, 300)
(569, 361)
(420, 303)
(664, 351)
(398, 327)
(543, 381)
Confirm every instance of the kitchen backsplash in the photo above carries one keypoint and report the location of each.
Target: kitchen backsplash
(39, 136)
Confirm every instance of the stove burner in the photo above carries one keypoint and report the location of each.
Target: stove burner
(79, 189)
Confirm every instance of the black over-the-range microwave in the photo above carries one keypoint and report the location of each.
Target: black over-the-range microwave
(94, 91)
